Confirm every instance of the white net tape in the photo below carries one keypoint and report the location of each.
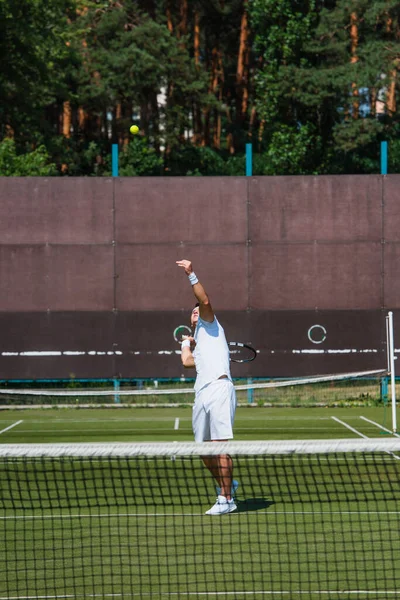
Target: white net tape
(247, 448)
(155, 391)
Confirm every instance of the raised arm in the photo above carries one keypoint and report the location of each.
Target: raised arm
(205, 308)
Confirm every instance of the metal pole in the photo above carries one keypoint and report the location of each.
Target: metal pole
(384, 158)
(114, 160)
(249, 160)
(250, 391)
(117, 398)
(387, 343)
(392, 373)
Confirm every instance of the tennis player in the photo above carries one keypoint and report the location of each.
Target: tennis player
(215, 398)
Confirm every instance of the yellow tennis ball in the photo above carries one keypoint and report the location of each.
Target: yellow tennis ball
(134, 129)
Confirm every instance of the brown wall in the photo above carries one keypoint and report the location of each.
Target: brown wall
(87, 265)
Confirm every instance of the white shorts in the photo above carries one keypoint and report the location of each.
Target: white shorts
(214, 411)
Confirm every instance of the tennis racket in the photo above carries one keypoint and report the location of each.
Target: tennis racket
(180, 332)
(241, 353)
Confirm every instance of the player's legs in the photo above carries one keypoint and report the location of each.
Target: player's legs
(221, 468)
(220, 403)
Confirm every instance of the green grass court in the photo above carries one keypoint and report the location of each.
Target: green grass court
(158, 424)
(304, 528)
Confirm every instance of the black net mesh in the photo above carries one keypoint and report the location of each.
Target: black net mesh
(112, 524)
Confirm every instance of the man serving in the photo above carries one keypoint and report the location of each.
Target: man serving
(215, 399)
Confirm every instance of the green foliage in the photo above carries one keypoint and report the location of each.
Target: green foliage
(131, 59)
(315, 78)
(291, 151)
(282, 28)
(191, 160)
(394, 156)
(137, 158)
(36, 62)
(317, 100)
(31, 164)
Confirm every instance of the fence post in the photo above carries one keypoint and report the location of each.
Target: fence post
(384, 158)
(117, 398)
(250, 391)
(114, 160)
(249, 160)
(384, 390)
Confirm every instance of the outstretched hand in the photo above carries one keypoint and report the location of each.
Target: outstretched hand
(185, 264)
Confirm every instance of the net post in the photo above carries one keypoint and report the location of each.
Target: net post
(392, 370)
(387, 343)
(117, 398)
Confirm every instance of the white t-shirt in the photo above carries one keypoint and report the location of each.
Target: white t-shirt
(211, 354)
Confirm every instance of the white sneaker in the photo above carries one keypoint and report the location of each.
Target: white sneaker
(222, 506)
(235, 485)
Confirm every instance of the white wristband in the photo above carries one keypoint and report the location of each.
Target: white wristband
(185, 344)
(193, 278)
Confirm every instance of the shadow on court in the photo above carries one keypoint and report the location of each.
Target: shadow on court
(251, 504)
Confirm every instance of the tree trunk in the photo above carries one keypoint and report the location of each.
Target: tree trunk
(391, 95)
(261, 132)
(196, 38)
(217, 130)
(212, 90)
(82, 118)
(67, 119)
(10, 133)
(218, 89)
(183, 25)
(117, 114)
(169, 17)
(169, 103)
(353, 60)
(253, 115)
(197, 123)
(242, 93)
(230, 146)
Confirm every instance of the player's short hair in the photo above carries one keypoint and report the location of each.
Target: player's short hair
(194, 307)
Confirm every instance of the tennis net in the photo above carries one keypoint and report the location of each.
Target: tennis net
(361, 387)
(314, 519)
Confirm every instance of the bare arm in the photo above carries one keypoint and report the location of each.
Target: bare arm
(187, 357)
(205, 308)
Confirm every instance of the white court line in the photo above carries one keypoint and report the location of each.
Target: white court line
(168, 419)
(121, 431)
(10, 427)
(197, 594)
(380, 426)
(350, 427)
(362, 435)
(127, 430)
(270, 513)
